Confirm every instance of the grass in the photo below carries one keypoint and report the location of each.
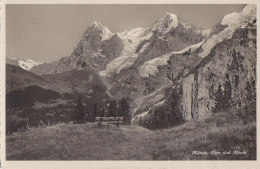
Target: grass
(87, 142)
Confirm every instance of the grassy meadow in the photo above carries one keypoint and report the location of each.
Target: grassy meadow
(223, 132)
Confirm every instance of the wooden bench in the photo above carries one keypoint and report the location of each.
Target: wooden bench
(109, 120)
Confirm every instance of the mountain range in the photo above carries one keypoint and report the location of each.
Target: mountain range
(145, 64)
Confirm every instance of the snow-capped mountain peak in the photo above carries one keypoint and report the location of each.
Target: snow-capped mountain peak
(27, 64)
(104, 32)
(233, 21)
(165, 23)
(96, 24)
(24, 64)
(238, 19)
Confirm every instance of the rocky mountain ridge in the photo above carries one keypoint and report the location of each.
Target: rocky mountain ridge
(109, 52)
(145, 64)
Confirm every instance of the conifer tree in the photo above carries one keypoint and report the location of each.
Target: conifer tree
(124, 110)
(227, 95)
(95, 111)
(112, 108)
(250, 91)
(218, 100)
(79, 110)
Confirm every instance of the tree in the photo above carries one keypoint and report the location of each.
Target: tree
(223, 98)
(124, 110)
(112, 108)
(168, 115)
(250, 91)
(176, 113)
(102, 112)
(218, 100)
(79, 110)
(95, 110)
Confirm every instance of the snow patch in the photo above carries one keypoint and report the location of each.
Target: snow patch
(186, 25)
(105, 33)
(143, 114)
(159, 103)
(27, 64)
(231, 19)
(144, 47)
(206, 32)
(151, 67)
(215, 39)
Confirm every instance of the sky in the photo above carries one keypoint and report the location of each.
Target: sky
(46, 33)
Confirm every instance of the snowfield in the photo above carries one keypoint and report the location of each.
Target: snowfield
(131, 41)
(150, 67)
(134, 37)
(233, 21)
(27, 64)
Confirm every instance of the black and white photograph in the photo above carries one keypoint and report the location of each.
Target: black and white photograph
(130, 82)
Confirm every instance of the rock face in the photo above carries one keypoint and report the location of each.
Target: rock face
(230, 64)
(96, 48)
(233, 62)
(226, 60)
(145, 64)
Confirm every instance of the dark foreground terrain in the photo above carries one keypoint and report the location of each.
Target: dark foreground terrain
(224, 132)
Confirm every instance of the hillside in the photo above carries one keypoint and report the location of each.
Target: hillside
(54, 97)
(17, 78)
(232, 131)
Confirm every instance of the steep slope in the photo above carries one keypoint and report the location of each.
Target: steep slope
(96, 48)
(17, 78)
(32, 99)
(224, 62)
(84, 81)
(29, 95)
(74, 81)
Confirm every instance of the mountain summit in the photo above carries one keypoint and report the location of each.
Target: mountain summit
(165, 23)
(97, 27)
(110, 53)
